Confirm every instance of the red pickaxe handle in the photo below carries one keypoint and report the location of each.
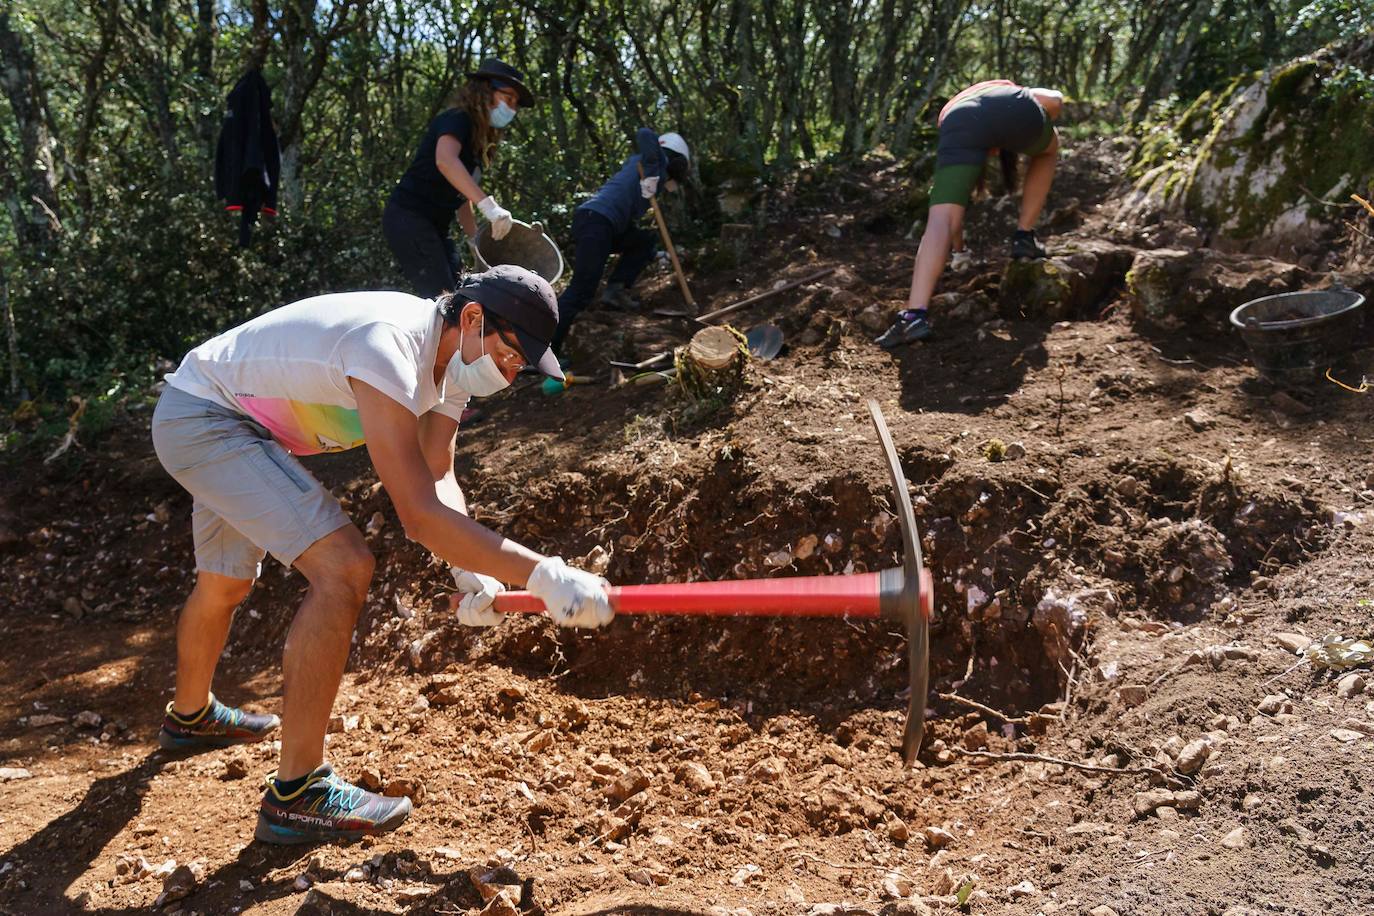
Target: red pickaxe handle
(806, 596)
(799, 596)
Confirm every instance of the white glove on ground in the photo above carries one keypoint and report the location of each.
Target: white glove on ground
(572, 597)
(497, 215)
(648, 187)
(479, 591)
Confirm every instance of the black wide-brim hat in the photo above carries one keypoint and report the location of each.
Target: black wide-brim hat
(526, 302)
(493, 68)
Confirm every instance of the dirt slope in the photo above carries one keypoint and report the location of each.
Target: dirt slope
(1117, 589)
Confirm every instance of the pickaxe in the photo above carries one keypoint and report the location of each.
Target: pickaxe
(904, 594)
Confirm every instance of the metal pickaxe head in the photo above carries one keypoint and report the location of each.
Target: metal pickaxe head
(904, 594)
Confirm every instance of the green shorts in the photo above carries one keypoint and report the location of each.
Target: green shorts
(954, 184)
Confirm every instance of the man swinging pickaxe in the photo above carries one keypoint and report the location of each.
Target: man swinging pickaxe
(905, 594)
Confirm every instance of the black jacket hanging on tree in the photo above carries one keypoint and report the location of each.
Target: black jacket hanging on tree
(248, 160)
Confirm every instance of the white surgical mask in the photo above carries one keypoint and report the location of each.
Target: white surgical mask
(481, 377)
(501, 114)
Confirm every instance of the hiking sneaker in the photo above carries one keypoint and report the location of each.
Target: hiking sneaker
(909, 327)
(617, 297)
(326, 809)
(216, 725)
(1025, 245)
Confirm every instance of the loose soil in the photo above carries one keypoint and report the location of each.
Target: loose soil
(1115, 588)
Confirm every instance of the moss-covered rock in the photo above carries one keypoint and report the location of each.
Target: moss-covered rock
(1079, 275)
(1172, 288)
(1278, 147)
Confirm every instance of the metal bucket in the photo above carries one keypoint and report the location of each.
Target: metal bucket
(1294, 337)
(525, 246)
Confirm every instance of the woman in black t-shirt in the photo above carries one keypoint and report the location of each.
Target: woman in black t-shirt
(444, 178)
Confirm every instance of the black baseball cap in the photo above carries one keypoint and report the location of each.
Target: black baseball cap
(498, 71)
(526, 302)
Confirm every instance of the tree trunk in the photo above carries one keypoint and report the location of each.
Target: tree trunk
(31, 196)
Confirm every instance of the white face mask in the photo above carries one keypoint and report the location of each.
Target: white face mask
(501, 114)
(481, 377)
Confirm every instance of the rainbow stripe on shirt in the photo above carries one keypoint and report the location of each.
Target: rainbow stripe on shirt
(306, 429)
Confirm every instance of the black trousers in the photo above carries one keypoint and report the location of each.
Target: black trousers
(594, 241)
(427, 255)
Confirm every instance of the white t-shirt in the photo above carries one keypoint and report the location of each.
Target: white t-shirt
(289, 369)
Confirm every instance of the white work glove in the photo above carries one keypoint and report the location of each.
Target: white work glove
(497, 215)
(572, 597)
(479, 591)
(648, 187)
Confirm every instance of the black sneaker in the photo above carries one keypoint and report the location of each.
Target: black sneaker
(216, 726)
(908, 328)
(617, 297)
(326, 809)
(1025, 245)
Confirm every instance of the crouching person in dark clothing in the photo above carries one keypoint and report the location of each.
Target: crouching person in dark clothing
(608, 224)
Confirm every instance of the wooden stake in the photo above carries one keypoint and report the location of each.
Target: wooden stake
(668, 243)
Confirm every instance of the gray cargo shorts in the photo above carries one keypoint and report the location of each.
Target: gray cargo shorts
(251, 496)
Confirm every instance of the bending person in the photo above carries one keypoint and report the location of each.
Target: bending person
(445, 178)
(385, 369)
(993, 116)
(608, 224)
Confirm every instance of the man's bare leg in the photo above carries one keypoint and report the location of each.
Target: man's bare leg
(1036, 190)
(202, 629)
(944, 225)
(339, 570)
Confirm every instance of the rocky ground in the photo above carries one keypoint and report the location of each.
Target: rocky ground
(1132, 536)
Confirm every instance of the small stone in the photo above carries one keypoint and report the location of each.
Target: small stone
(626, 785)
(87, 719)
(1351, 685)
(304, 881)
(1199, 420)
(164, 870)
(1346, 735)
(1167, 814)
(1169, 836)
(1015, 452)
(695, 777)
(413, 789)
(1128, 486)
(806, 546)
(355, 874)
(1274, 704)
(895, 887)
(1103, 910)
(1293, 642)
(411, 893)
(1024, 889)
(607, 765)
(1250, 802)
(143, 828)
(500, 905)
(235, 767)
(10, 774)
(1193, 756)
(897, 830)
(975, 737)
(1173, 747)
(44, 719)
(640, 876)
(370, 779)
(744, 874)
(176, 885)
(768, 770)
(937, 837)
(1146, 802)
(1236, 839)
(1187, 800)
(245, 885)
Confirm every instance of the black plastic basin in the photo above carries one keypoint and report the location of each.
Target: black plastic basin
(1294, 337)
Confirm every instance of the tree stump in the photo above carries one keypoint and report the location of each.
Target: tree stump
(712, 364)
